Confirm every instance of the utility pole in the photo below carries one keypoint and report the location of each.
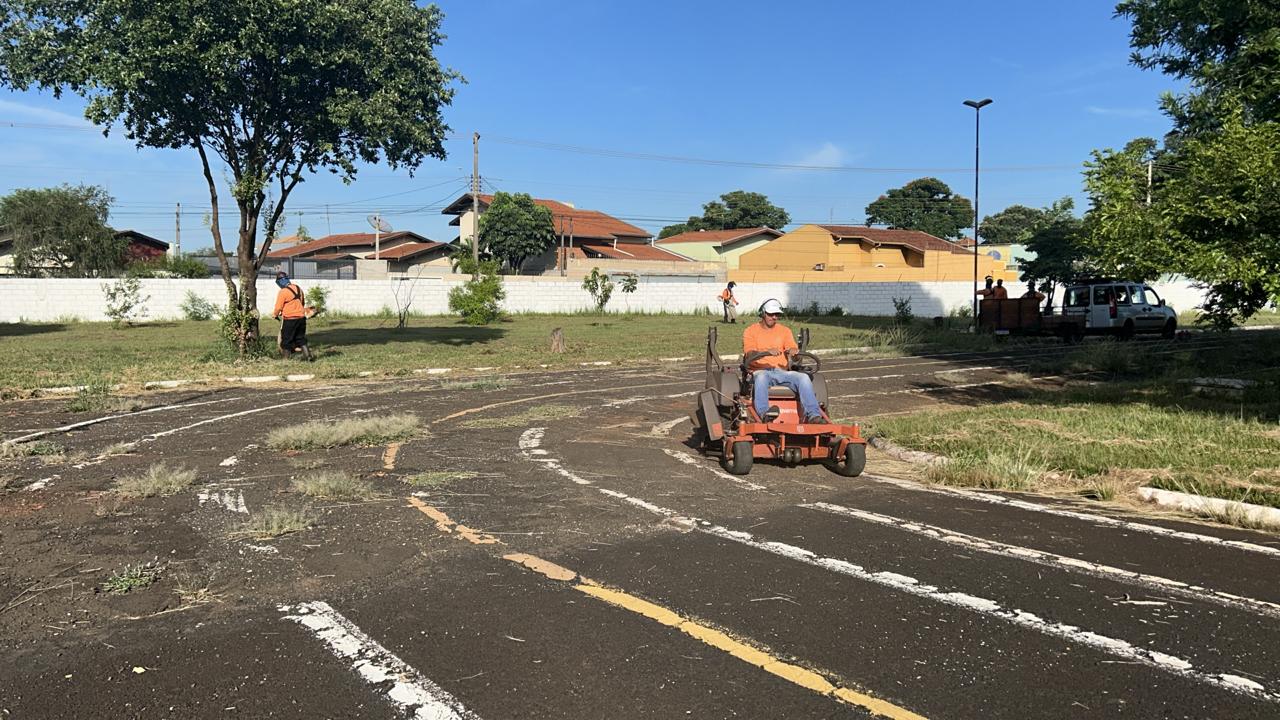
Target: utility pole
(377, 237)
(1151, 164)
(177, 231)
(475, 200)
(328, 226)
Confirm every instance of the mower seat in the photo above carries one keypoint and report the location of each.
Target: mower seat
(782, 392)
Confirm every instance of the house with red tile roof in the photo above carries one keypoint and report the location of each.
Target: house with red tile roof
(585, 235)
(400, 250)
(724, 246)
(856, 253)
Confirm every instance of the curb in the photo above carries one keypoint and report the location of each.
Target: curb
(1201, 504)
(912, 456)
(260, 379)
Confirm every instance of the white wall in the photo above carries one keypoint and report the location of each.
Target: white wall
(46, 300)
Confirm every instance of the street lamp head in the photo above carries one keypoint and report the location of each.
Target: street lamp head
(978, 104)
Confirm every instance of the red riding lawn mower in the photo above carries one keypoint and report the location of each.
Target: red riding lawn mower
(726, 419)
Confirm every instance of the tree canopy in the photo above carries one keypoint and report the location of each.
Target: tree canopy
(62, 232)
(1228, 49)
(736, 209)
(1056, 240)
(515, 228)
(274, 89)
(1014, 224)
(926, 204)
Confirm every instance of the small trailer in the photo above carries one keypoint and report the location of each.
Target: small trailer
(1023, 316)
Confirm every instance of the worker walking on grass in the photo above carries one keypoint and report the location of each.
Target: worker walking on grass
(776, 339)
(730, 303)
(291, 311)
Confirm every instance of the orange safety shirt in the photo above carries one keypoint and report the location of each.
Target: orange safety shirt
(289, 306)
(727, 296)
(758, 337)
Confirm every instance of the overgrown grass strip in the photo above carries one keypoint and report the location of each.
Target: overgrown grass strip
(355, 431)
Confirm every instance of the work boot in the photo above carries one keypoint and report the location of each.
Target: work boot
(306, 354)
(815, 420)
(771, 414)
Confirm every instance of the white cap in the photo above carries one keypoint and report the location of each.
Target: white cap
(771, 306)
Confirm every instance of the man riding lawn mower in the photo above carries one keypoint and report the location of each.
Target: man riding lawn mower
(773, 405)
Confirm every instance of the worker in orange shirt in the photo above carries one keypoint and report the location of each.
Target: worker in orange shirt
(1000, 292)
(730, 303)
(778, 345)
(291, 311)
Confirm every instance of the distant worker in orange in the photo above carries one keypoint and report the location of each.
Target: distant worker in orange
(730, 303)
(779, 344)
(291, 311)
(987, 291)
(999, 292)
(1032, 292)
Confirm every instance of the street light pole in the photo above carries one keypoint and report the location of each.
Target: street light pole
(977, 106)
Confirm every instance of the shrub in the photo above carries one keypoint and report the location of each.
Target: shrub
(195, 307)
(167, 267)
(333, 485)
(318, 298)
(836, 311)
(902, 311)
(600, 287)
(125, 302)
(478, 300)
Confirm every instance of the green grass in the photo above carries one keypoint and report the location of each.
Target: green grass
(333, 485)
(159, 479)
(1191, 318)
(438, 478)
(40, 448)
(356, 431)
(95, 396)
(274, 522)
(132, 577)
(57, 354)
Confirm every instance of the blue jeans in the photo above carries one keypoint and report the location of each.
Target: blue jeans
(797, 381)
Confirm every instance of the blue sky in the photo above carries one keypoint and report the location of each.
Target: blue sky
(859, 84)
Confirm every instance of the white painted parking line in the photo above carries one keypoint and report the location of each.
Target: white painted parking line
(990, 608)
(689, 460)
(95, 421)
(401, 684)
(155, 436)
(230, 499)
(1107, 572)
(1090, 517)
(903, 583)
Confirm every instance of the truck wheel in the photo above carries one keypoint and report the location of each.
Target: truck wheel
(1126, 332)
(854, 461)
(1170, 329)
(740, 463)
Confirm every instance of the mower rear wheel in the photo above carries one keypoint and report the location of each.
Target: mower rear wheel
(740, 463)
(853, 462)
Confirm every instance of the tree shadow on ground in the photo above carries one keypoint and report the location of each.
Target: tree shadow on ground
(452, 336)
(21, 329)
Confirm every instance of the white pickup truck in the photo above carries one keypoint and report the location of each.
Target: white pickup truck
(1117, 307)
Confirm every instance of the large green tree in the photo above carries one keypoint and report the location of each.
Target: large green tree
(515, 228)
(736, 209)
(267, 91)
(926, 204)
(1229, 50)
(1057, 244)
(1014, 224)
(61, 232)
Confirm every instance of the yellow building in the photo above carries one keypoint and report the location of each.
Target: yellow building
(852, 253)
(725, 246)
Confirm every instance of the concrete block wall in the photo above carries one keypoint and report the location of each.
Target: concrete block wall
(46, 300)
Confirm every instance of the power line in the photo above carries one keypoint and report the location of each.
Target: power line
(627, 155)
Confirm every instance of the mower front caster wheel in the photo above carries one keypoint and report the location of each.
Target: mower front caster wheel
(853, 462)
(740, 463)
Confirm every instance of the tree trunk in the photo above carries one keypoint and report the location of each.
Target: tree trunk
(248, 331)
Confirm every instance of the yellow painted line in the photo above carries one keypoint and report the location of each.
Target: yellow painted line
(389, 456)
(792, 673)
(446, 525)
